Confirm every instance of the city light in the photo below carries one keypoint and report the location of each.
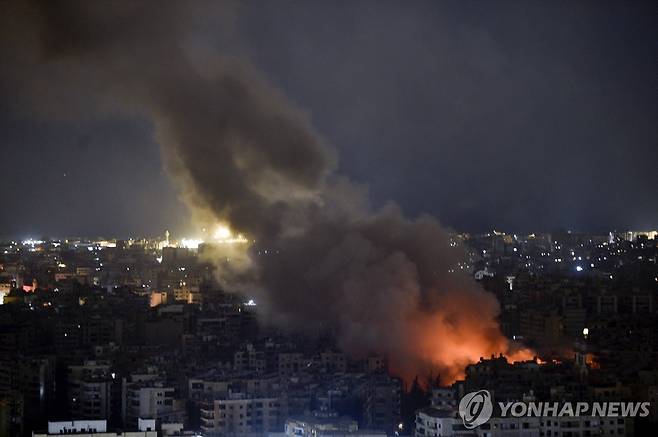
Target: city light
(191, 243)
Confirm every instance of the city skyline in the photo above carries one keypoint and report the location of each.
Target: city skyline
(311, 219)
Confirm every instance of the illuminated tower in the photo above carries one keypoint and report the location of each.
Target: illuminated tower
(510, 281)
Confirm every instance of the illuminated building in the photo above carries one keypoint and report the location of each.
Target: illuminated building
(239, 415)
(634, 235)
(157, 298)
(437, 422)
(326, 426)
(81, 428)
(146, 397)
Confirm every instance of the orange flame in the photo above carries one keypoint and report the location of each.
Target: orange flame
(459, 333)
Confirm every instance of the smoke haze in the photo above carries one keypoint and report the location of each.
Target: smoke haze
(242, 154)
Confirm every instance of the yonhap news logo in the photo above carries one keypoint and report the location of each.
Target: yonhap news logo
(476, 408)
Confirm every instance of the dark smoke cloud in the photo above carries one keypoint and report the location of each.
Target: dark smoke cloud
(242, 154)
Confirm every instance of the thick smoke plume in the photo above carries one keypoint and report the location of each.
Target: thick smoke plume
(243, 155)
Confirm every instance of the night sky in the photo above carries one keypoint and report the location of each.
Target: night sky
(520, 116)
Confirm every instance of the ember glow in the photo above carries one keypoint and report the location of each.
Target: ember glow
(444, 342)
(450, 347)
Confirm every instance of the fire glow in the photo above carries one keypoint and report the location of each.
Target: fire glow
(452, 348)
(457, 333)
